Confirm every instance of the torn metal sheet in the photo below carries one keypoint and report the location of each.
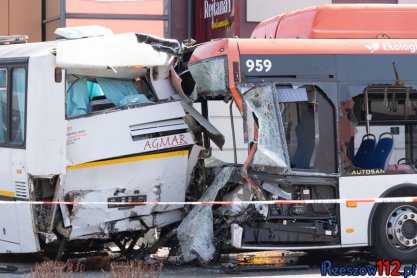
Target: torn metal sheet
(262, 102)
(161, 82)
(242, 192)
(193, 159)
(101, 56)
(214, 134)
(172, 47)
(176, 83)
(195, 233)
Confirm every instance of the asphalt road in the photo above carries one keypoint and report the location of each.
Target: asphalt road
(307, 266)
(184, 272)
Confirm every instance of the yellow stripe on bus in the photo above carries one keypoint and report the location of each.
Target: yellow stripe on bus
(7, 193)
(128, 159)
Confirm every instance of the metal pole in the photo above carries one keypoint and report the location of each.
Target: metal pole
(169, 35)
(233, 131)
(367, 112)
(204, 112)
(43, 29)
(63, 11)
(190, 19)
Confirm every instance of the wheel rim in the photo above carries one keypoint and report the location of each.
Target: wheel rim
(402, 228)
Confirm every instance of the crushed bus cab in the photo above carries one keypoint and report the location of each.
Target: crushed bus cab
(94, 119)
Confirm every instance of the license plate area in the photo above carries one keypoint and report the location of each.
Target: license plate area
(126, 199)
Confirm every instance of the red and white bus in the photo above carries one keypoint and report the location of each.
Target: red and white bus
(342, 21)
(323, 119)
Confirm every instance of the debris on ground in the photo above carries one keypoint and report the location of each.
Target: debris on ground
(265, 258)
(91, 263)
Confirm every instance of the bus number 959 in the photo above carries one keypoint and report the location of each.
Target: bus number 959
(258, 65)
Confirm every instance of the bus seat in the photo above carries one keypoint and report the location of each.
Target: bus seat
(100, 103)
(361, 158)
(307, 141)
(378, 157)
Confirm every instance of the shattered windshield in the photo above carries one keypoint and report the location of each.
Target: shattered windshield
(263, 112)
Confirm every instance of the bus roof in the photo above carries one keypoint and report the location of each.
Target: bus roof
(126, 55)
(26, 49)
(233, 47)
(342, 21)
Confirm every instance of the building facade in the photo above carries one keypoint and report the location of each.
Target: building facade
(180, 19)
(229, 18)
(164, 18)
(40, 18)
(21, 17)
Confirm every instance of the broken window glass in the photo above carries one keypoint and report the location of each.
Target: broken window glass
(210, 76)
(263, 109)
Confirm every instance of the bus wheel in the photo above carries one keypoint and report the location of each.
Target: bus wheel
(395, 232)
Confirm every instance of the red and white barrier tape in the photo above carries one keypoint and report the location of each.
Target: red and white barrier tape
(274, 202)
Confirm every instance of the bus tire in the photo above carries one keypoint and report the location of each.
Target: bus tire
(395, 232)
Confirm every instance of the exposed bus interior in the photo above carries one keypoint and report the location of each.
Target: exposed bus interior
(385, 139)
(374, 129)
(89, 94)
(306, 119)
(306, 123)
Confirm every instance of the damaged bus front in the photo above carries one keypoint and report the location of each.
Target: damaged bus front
(302, 103)
(93, 120)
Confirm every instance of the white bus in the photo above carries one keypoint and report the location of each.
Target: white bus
(87, 120)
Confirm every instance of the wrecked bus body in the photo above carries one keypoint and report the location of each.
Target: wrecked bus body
(83, 123)
(302, 103)
(94, 120)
